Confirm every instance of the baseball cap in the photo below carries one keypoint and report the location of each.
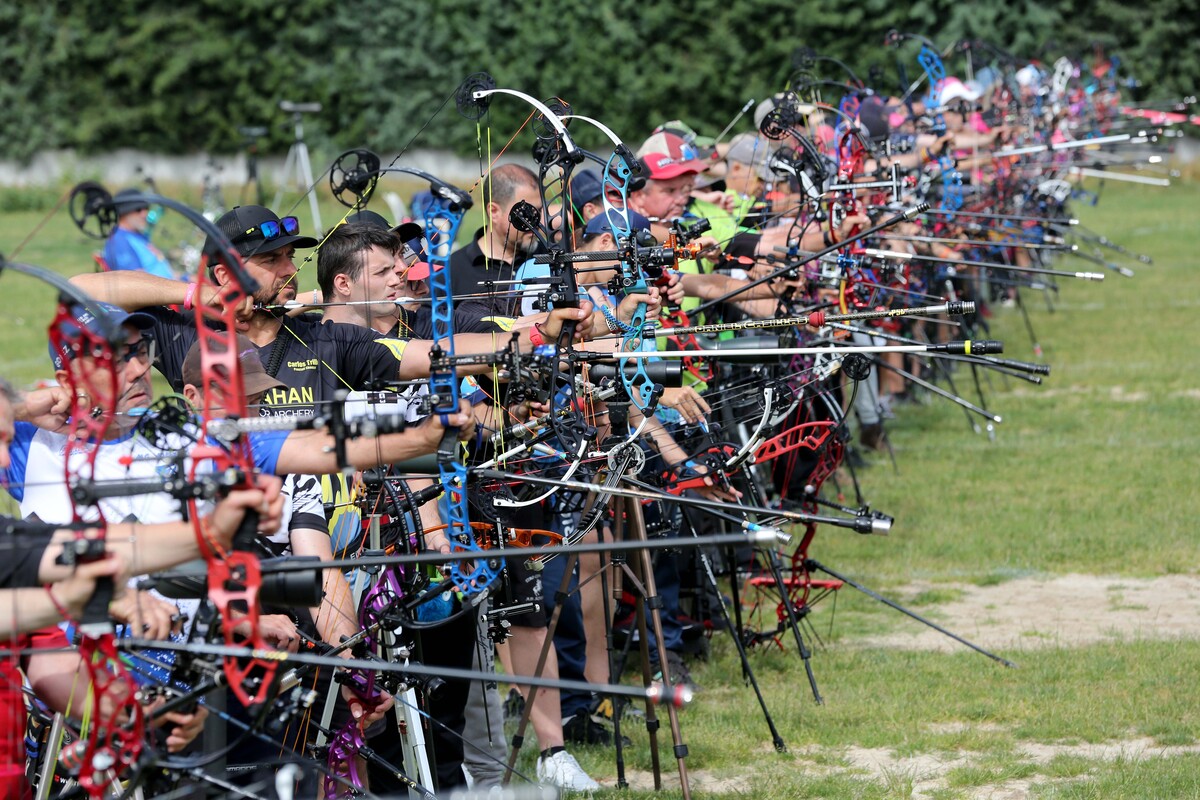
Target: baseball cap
(418, 271)
(705, 144)
(243, 227)
(407, 231)
(113, 316)
(125, 203)
(586, 186)
(751, 150)
(604, 223)
(254, 378)
(667, 155)
(953, 89)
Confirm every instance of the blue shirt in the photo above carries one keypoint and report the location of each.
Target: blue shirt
(130, 250)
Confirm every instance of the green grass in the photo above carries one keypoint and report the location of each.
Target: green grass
(1093, 472)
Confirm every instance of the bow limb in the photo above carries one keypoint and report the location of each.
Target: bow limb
(444, 217)
(115, 737)
(235, 576)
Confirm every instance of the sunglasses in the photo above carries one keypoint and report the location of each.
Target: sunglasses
(141, 350)
(273, 228)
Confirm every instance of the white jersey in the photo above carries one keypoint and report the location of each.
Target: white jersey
(130, 458)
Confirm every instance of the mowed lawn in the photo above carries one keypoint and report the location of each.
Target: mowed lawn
(1094, 472)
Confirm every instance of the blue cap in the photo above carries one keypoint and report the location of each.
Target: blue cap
(605, 223)
(114, 315)
(586, 186)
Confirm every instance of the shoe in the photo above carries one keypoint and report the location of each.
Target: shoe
(680, 676)
(871, 436)
(514, 705)
(563, 771)
(584, 729)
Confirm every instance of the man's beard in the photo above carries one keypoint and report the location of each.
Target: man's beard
(275, 297)
(525, 244)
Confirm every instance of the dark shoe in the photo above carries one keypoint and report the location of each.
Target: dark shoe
(514, 705)
(871, 436)
(678, 671)
(582, 729)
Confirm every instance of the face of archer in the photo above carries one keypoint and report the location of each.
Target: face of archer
(138, 220)
(503, 230)
(275, 272)
(216, 398)
(131, 363)
(378, 283)
(664, 200)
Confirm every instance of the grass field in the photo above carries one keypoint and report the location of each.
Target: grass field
(1093, 473)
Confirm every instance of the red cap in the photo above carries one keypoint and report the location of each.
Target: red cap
(668, 156)
(417, 272)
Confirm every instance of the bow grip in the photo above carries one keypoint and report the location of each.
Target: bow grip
(94, 619)
(448, 447)
(247, 532)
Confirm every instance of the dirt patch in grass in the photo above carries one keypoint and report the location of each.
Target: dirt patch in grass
(924, 775)
(702, 782)
(1065, 611)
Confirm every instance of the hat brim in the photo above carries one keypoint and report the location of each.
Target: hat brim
(139, 320)
(670, 171)
(258, 382)
(408, 231)
(417, 272)
(257, 248)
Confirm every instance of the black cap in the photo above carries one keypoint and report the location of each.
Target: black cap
(241, 226)
(407, 231)
(124, 205)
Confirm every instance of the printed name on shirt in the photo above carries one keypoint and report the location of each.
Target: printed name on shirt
(287, 396)
(303, 366)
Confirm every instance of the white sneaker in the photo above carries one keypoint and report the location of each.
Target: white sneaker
(563, 771)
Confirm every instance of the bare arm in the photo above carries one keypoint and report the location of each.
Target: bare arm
(415, 363)
(311, 452)
(132, 290)
(336, 618)
(150, 548)
(28, 609)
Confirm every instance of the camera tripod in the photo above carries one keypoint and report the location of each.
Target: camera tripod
(250, 136)
(297, 167)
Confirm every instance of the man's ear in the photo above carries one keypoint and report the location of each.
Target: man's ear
(192, 395)
(493, 212)
(341, 284)
(220, 274)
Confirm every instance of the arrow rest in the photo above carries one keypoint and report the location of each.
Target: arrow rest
(354, 173)
(92, 210)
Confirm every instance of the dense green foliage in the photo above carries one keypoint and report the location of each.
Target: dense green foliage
(182, 77)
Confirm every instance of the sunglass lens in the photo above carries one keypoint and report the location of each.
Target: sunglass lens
(291, 225)
(270, 229)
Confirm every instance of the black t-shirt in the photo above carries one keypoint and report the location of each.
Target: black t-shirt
(23, 554)
(315, 359)
(469, 317)
(471, 272)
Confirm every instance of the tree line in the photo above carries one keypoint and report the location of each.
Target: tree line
(97, 75)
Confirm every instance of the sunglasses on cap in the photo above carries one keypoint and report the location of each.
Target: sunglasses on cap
(272, 229)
